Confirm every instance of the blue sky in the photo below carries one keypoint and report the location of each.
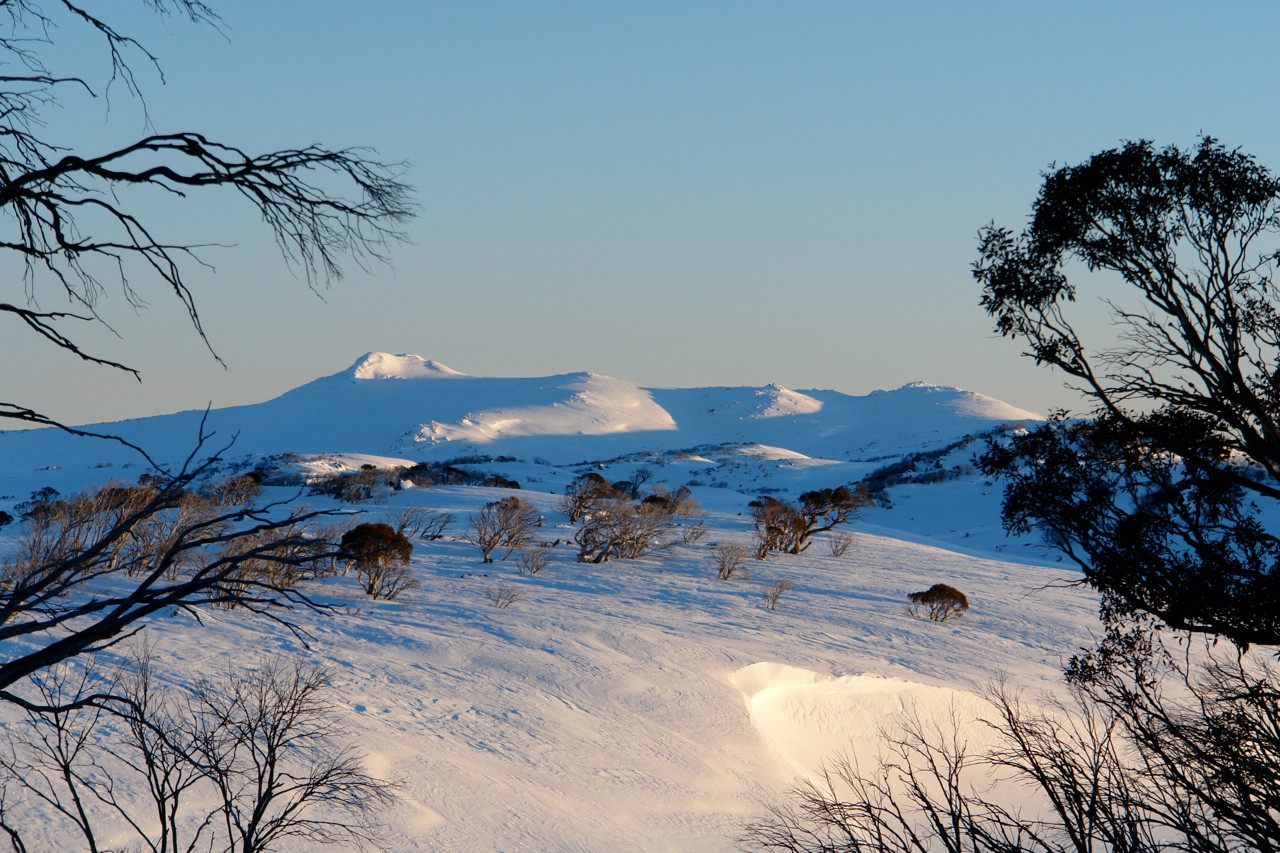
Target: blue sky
(677, 193)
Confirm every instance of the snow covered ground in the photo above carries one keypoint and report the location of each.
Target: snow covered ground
(636, 705)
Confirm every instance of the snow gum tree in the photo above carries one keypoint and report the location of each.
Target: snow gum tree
(788, 528)
(1155, 496)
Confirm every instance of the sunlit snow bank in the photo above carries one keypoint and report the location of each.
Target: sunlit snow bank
(592, 405)
(811, 719)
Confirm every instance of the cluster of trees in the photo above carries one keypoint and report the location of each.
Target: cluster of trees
(614, 521)
(1159, 496)
(781, 527)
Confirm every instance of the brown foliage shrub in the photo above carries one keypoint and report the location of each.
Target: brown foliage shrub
(939, 602)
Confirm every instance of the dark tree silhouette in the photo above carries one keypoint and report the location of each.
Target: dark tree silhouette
(77, 224)
(65, 215)
(1155, 496)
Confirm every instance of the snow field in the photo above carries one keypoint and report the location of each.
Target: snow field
(639, 705)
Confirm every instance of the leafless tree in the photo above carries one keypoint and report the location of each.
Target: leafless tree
(773, 593)
(502, 595)
(240, 762)
(839, 542)
(506, 524)
(692, 534)
(78, 223)
(421, 522)
(1127, 764)
(70, 221)
(271, 746)
(535, 558)
(729, 558)
(56, 600)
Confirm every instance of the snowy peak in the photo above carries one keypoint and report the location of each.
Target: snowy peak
(384, 365)
(777, 402)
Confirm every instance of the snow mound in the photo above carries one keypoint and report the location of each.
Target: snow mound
(384, 365)
(811, 719)
(781, 402)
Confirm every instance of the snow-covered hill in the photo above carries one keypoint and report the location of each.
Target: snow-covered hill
(635, 705)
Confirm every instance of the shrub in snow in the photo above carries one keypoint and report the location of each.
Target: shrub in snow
(939, 602)
(581, 496)
(422, 522)
(234, 491)
(350, 486)
(380, 556)
(840, 542)
(774, 592)
(728, 559)
(533, 560)
(787, 528)
(502, 596)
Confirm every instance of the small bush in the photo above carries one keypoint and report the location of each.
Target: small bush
(234, 491)
(502, 596)
(350, 486)
(420, 522)
(729, 559)
(533, 560)
(839, 542)
(692, 534)
(939, 602)
(774, 592)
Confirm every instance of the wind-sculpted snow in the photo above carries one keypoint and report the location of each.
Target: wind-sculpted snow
(593, 405)
(810, 717)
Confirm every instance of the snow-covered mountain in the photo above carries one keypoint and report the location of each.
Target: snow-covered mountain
(407, 406)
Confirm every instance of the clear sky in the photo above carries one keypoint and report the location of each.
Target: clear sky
(676, 193)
